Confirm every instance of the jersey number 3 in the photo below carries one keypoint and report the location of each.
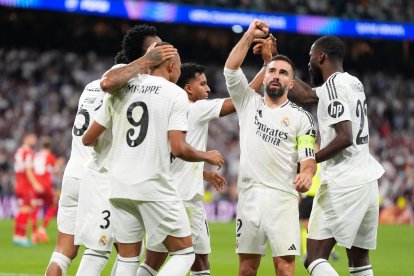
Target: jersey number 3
(137, 110)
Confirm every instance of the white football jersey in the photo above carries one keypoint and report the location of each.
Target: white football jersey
(141, 114)
(342, 98)
(269, 150)
(90, 101)
(189, 175)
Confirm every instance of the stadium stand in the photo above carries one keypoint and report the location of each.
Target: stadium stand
(397, 11)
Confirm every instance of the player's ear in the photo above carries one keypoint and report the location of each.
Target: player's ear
(188, 89)
(291, 84)
(322, 57)
(171, 65)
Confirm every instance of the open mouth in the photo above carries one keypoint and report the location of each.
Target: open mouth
(274, 84)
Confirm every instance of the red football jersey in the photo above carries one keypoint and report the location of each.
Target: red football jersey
(23, 159)
(43, 164)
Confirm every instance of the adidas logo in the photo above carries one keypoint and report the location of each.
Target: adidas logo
(292, 247)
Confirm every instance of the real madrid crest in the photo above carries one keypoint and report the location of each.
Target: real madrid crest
(103, 240)
(285, 122)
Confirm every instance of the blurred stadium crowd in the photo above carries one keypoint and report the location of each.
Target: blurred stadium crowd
(44, 68)
(385, 10)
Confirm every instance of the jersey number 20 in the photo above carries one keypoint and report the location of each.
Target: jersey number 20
(142, 122)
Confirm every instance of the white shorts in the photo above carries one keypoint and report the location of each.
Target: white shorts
(68, 205)
(348, 214)
(200, 232)
(158, 219)
(267, 214)
(94, 221)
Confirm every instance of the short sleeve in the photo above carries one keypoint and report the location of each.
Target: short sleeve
(179, 113)
(208, 110)
(238, 87)
(335, 101)
(103, 115)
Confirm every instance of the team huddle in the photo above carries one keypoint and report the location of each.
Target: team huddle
(139, 142)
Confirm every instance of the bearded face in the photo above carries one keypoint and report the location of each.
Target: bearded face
(316, 75)
(275, 90)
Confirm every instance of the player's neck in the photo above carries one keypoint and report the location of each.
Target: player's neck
(332, 69)
(159, 72)
(274, 102)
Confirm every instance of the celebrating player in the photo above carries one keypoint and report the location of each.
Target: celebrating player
(275, 135)
(147, 117)
(90, 101)
(345, 209)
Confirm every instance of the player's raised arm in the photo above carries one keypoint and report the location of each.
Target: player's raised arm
(267, 49)
(116, 78)
(181, 149)
(256, 29)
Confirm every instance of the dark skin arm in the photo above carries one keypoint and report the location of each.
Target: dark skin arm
(116, 78)
(302, 93)
(91, 135)
(342, 140)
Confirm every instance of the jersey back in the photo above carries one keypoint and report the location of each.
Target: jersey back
(140, 115)
(89, 103)
(342, 98)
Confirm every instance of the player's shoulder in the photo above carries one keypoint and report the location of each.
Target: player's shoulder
(207, 102)
(299, 112)
(93, 86)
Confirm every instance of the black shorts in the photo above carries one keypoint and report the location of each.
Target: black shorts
(305, 207)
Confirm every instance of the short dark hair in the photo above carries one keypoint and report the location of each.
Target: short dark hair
(332, 46)
(120, 58)
(134, 39)
(189, 71)
(288, 60)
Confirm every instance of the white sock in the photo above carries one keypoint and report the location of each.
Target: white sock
(199, 273)
(127, 266)
(113, 271)
(92, 263)
(361, 271)
(179, 263)
(321, 267)
(61, 260)
(146, 270)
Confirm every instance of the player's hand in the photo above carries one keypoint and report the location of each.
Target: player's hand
(215, 179)
(214, 157)
(38, 188)
(303, 182)
(157, 55)
(265, 47)
(258, 28)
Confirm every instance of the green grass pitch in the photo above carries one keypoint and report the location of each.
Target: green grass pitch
(394, 255)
